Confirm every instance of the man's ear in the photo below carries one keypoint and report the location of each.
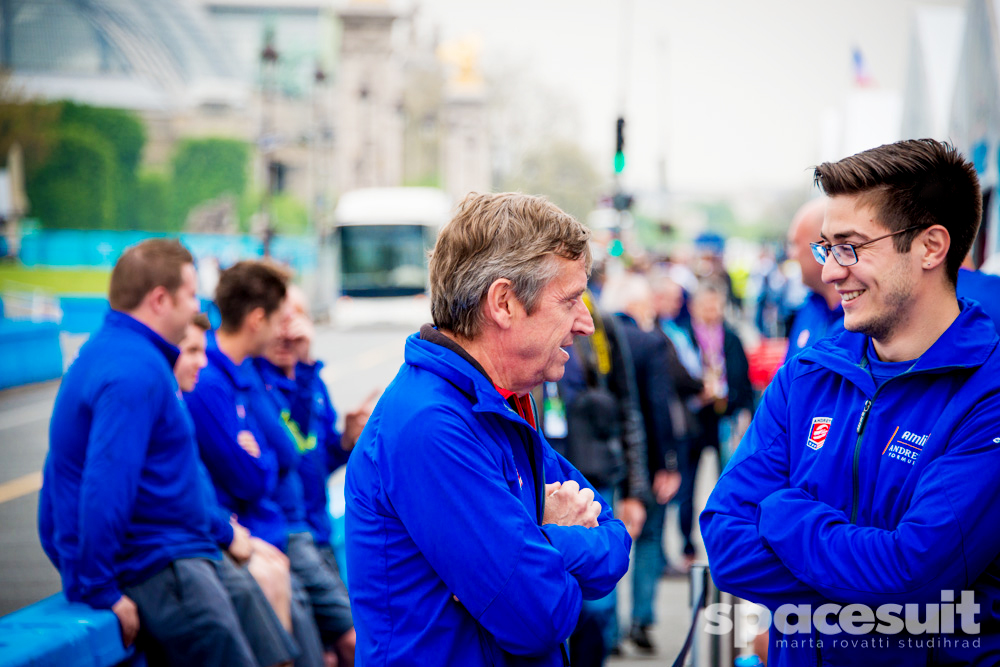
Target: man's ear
(254, 318)
(500, 303)
(935, 242)
(159, 300)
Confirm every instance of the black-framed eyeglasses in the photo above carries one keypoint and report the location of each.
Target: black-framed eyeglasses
(846, 253)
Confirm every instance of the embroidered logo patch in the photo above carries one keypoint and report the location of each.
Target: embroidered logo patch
(818, 432)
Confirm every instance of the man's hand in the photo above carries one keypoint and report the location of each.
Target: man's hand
(241, 548)
(633, 514)
(128, 619)
(665, 485)
(566, 504)
(354, 421)
(248, 443)
(300, 333)
(269, 552)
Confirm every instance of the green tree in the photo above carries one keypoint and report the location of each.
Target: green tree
(75, 187)
(151, 208)
(204, 169)
(289, 216)
(122, 129)
(126, 135)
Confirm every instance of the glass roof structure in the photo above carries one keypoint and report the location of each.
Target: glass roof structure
(131, 53)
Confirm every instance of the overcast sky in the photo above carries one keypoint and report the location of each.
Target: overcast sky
(732, 93)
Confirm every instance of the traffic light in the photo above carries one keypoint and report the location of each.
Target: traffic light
(622, 201)
(620, 145)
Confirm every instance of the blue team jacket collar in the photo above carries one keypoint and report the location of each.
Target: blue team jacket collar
(116, 318)
(219, 359)
(459, 372)
(271, 374)
(967, 343)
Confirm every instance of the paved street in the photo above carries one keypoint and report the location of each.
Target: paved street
(358, 361)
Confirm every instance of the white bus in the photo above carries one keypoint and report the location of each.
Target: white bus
(381, 240)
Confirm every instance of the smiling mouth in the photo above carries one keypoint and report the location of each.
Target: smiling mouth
(851, 296)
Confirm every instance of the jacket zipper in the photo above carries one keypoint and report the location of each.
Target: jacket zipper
(857, 458)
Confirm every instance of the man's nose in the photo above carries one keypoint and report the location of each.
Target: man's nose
(584, 322)
(832, 271)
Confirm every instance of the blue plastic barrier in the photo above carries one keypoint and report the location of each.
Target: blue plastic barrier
(56, 632)
(83, 314)
(101, 248)
(29, 352)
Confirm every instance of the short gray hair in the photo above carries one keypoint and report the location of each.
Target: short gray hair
(492, 236)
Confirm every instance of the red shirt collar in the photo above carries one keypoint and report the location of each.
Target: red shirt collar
(520, 403)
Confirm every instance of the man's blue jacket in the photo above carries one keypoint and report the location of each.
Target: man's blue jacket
(448, 565)
(813, 322)
(123, 493)
(844, 493)
(221, 406)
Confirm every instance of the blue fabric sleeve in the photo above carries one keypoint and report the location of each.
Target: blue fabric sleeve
(233, 470)
(449, 490)
(221, 529)
(740, 563)
(596, 557)
(123, 416)
(944, 541)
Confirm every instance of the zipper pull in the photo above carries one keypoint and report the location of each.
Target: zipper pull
(864, 417)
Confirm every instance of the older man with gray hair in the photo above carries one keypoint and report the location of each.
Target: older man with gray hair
(470, 541)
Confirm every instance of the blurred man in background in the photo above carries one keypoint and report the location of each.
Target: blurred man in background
(821, 314)
(727, 392)
(591, 416)
(630, 297)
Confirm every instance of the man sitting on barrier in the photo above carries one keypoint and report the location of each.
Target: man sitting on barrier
(123, 512)
(249, 454)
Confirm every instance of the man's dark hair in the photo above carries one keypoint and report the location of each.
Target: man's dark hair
(144, 267)
(917, 182)
(246, 286)
(201, 321)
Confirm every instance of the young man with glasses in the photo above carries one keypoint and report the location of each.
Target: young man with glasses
(863, 477)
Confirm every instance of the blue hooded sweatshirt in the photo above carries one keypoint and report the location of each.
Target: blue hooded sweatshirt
(843, 492)
(448, 560)
(123, 494)
(221, 406)
(270, 402)
(311, 418)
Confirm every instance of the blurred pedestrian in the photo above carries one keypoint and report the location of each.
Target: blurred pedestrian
(727, 393)
(821, 314)
(630, 297)
(470, 541)
(591, 416)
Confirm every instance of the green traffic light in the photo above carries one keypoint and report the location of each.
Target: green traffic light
(615, 248)
(619, 162)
